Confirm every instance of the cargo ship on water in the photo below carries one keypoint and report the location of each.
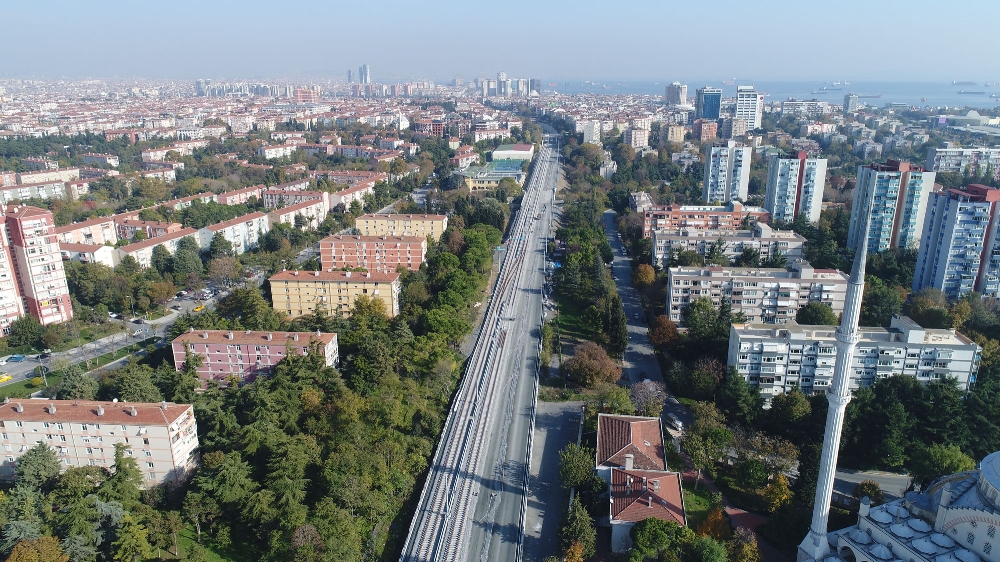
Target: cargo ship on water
(963, 83)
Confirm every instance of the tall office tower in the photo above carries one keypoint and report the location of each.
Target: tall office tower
(815, 545)
(959, 250)
(199, 87)
(749, 106)
(38, 264)
(708, 102)
(850, 103)
(534, 85)
(727, 172)
(899, 191)
(364, 74)
(795, 186)
(350, 76)
(676, 94)
(501, 76)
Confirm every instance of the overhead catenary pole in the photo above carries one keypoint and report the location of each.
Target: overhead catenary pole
(815, 545)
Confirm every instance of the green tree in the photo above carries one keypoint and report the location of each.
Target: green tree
(617, 328)
(134, 383)
(653, 538)
(123, 485)
(689, 258)
(706, 549)
(743, 546)
(740, 401)
(220, 246)
(132, 542)
(186, 262)
(869, 489)
(932, 461)
(879, 303)
(38, 468)
(816, 314)
(42, 549)
(576, 465)
(777, 493)
(199, 508)
(749, 258)
(161, 260)
(579, 529)
(26, 330)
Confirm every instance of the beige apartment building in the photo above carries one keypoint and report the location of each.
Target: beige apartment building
(402, 225)
(769, 296)
(295, 293)
(162, 437)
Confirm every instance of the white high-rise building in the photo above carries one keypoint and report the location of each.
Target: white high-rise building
(364, 74)
(795, 186)
(749, 106)
(899, 192)
(592, 132)
(959, 249)
(727, 172)
(676, 94)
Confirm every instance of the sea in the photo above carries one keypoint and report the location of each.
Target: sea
(938, 95)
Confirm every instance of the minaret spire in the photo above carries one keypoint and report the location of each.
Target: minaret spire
(816, 546)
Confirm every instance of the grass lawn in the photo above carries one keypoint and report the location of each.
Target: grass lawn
(558, 393)
(674, 460)
(697, 504)
(188, 538)
(687, 401)
(570, 320)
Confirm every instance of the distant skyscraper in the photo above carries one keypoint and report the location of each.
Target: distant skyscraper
(708, 102)
(899, 191)
(534, 85)
(501, 76)
(364, 74)
(749, 106)
(350, 76)
(850, 103)
(958, 242)
(795, 186)
(727, 172)
(676, 94)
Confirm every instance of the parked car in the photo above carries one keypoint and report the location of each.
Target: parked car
(176, 307)
(635, 315)
(16, 358)
(675, 421)
(5, 377)
(137, 321)
(42, 356)
(136, 333)
(199, 308)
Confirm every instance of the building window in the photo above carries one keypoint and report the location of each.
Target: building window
(970, 538)
(149, 464)
(987, 548)
(149, 454)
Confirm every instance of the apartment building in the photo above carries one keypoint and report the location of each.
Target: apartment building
(637, 138)
(766, 295)
(309, 214)
(732, 216)
(38, 265)
(240, 196)
(89, 253)
(51, 189)
(127, 228)
(276, 151)
(402, 225)
(274, 198)
(760, 237)
(242, 232)
(295, 293)
(779, 359)
(12, 306)
(704, 130)
(640, 201)
(464, 157)
(106, 159)
(959, 248)
(47, 176)
(592, 132)
(956, 160)
(672, 133)
(518, 151)
(142, 251)
(351, 194)
(727, 172)
(100, 230)
(732, 128)
(749, 106)
(161, 437)
(243, 355)
(895, 195)
(795, 186)
(374, 253)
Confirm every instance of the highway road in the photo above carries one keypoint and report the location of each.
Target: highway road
(474, 499)
(640, 361)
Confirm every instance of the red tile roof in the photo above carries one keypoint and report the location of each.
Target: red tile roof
(639, 436)
(85, 411)
(254, 338)
(641, 494)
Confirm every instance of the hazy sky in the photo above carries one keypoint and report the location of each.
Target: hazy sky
(909, 40)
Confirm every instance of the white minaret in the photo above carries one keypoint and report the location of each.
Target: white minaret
(815, 546)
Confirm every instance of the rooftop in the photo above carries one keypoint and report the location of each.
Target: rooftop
(236, 337)
(355, 238)
(641, 494)
(398, 217)
(86, 411)
(642, 437)
(329, 275)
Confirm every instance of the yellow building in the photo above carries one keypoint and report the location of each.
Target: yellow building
(294, 293)
(402, 225)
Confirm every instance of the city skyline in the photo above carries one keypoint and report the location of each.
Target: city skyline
(175, 44)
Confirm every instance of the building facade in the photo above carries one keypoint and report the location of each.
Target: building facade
(765, 295)
(899, 192)
(243, 355)
(761, 237)
(375, 253)
(959, 249)
(636, 138)
(727, 172)
(732, 216)
(38, 266)
(142, 251)
(708, 103)
(100, 230)
(749, 106)
(780, 359)
(971, 161)
(795, 186)
(676, 93)
(161, 437)
(673, 133)
(402, 225)
(242, 232)
(295, 293)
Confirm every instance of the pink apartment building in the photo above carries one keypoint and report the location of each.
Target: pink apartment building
(706, 217)
(38, 264)
(375, 253)
(272, 197)
(152, 229)
(240, 196)
(245, 355)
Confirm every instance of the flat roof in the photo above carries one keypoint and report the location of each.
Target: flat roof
(355, 277)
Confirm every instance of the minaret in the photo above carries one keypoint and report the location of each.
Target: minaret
(815, 546)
